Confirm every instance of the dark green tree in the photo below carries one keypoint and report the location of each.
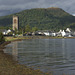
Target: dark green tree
(27, 28)
(34, 29)
(1, 37)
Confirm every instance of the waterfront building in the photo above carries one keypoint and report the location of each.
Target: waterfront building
(46, 33)
(6, 32)
(63, 33)
(68, 30)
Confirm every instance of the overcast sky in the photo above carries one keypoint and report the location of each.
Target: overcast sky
(12, 6)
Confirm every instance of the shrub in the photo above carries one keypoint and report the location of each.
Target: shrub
(1, 37)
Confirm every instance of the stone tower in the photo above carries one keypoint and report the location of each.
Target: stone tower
(15, 23)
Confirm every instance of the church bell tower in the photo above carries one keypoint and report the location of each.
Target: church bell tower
(15, 23)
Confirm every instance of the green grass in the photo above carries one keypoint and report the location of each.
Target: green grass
(16, 38)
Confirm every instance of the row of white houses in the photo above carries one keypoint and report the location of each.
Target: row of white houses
(5, 32)
(63, 33)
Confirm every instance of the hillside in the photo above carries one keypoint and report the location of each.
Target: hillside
(49, 18)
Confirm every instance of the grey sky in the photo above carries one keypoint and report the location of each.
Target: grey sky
(12, 6)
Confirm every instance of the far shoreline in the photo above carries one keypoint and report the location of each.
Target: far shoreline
(35, 37)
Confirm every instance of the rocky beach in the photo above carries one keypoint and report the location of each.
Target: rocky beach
(10, 67)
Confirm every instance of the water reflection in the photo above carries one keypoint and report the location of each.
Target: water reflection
(63, 50)
(15, 50)
(57, 55)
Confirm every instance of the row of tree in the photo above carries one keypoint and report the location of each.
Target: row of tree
(26, 29)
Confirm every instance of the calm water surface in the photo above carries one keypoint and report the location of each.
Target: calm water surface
(56, 55)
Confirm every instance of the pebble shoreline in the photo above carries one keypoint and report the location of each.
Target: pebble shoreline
(10, 67)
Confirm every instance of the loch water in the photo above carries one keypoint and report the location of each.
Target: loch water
(48, 55)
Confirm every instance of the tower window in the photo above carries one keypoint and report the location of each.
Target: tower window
(15, 21)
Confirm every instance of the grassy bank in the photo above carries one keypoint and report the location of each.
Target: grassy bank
(10, 67)
(16, 38)
(35, 37)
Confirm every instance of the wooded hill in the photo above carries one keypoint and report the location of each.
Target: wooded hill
(43, 18)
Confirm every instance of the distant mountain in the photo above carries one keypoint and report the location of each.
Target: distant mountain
(43, 18)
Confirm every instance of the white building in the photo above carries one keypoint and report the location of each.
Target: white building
(63, 33)
(60, 31)
(68, 30)
(46, 33)
(8, 31)
(53, 34)
(40, 32)
(5, 32)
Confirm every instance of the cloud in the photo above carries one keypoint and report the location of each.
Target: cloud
(12, 6)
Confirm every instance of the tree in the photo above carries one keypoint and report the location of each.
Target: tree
(27, 28)
(34, 29)
(1, 37)
(72, 26)
(16, 31)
